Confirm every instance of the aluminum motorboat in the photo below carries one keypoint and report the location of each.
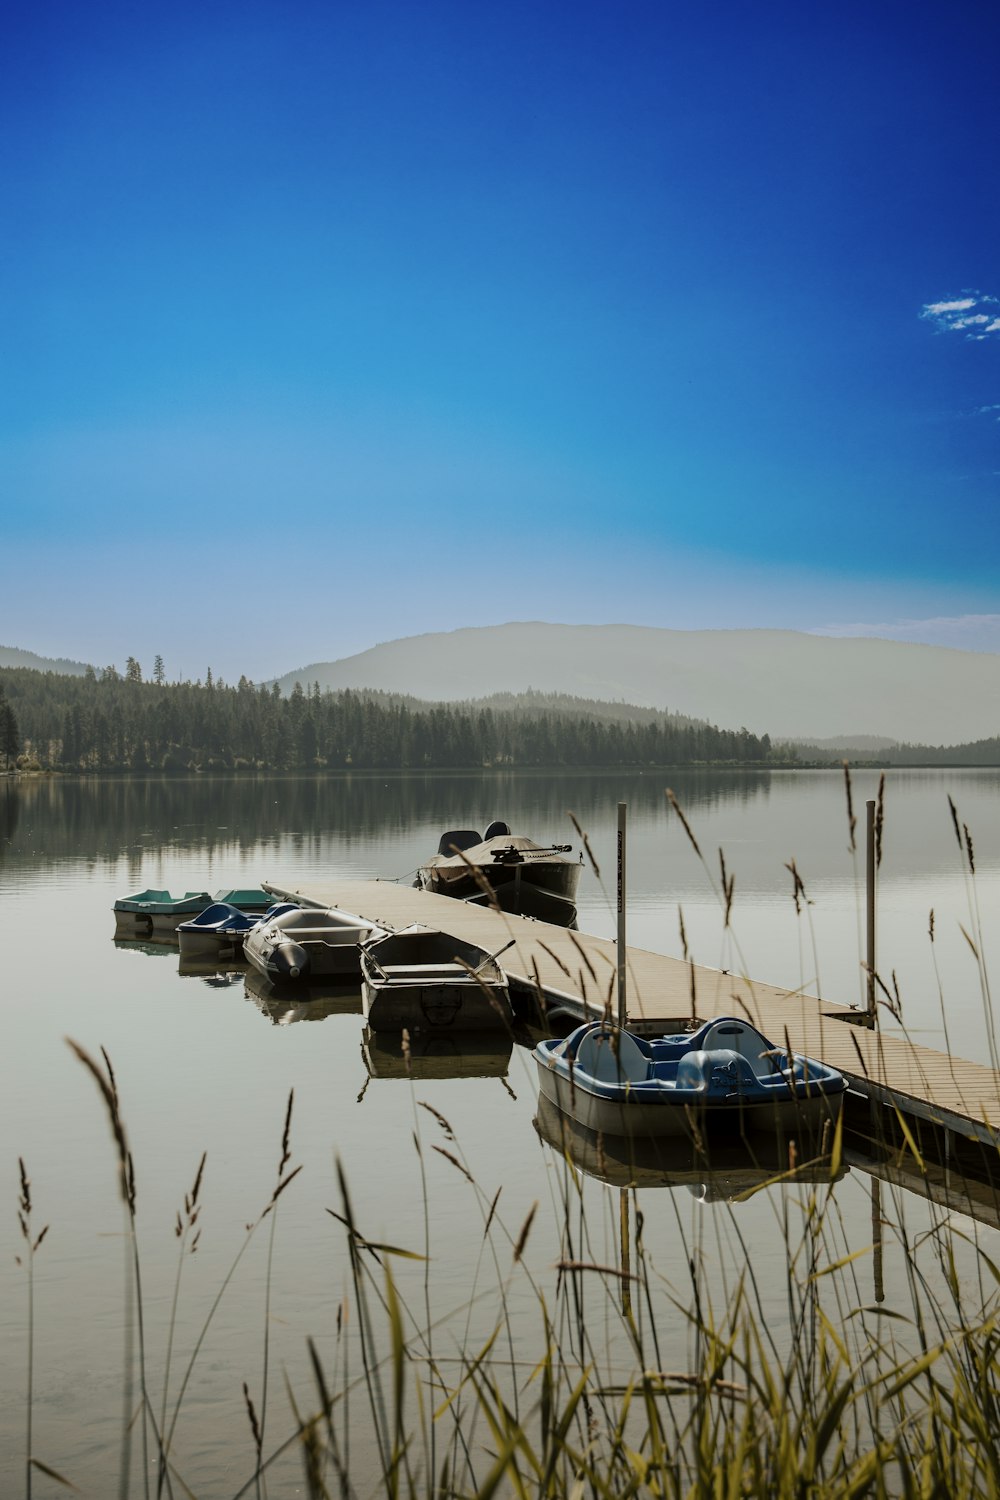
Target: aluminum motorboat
(504, 869)
(423, 979)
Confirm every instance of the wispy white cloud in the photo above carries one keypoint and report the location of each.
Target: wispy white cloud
(961, 632)
(938, 309)
(963, 315)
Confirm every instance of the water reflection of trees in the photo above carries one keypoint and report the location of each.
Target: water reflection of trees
(10, 810)
(104, 818)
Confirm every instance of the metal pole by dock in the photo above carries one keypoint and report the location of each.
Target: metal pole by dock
(622, 951)
(870, 895)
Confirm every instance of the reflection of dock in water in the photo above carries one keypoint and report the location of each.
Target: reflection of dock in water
(976, 1195)
(300, 1000)
(435, 1055)
(717, 1171)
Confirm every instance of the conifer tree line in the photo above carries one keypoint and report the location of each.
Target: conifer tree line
(10, 734)
(118, 722)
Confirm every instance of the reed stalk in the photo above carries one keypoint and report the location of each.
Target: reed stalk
(32, 1243)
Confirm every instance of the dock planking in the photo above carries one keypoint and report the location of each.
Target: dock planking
(576, 971)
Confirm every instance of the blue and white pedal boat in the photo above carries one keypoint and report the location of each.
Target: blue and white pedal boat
(725, 1074)
(216, 933)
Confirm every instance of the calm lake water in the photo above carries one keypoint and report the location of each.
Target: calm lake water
(207, 1065)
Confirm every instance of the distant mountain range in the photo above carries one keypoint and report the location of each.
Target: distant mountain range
(11, 656)
(781, 682)
(849, 692)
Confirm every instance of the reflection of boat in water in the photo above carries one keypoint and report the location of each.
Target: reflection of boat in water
(724, 1075)
(303, 1000)
(163, 947)
(523, 877)
(424, 979)
(296, 943)
(159, 913)
(434, 1054)
(715, 1171)
(209, 973)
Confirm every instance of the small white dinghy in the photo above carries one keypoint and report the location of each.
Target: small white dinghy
(300, 942)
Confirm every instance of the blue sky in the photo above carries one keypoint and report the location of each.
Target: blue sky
(330, 323)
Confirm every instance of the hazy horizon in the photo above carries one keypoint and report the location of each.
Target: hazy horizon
(302, 669)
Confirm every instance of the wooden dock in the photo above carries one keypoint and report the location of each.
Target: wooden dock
(576, 972)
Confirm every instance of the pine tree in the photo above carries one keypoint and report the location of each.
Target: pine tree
(10, 738)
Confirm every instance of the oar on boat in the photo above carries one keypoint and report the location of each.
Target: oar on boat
(492, 957)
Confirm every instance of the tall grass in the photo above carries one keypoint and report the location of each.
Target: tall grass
(32, 1243)
(571, 1395)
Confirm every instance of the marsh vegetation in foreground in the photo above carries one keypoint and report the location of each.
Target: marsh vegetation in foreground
(632, 1381)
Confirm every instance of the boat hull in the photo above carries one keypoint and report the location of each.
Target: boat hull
(532, 882)
(216, 934)
(447, 1004)
(199, 946)
(722, 1076)
(157, 912)
(424, 980)
(308, 944)
(668, 1117)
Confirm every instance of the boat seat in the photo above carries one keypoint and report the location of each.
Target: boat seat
(425, 971)
(458, 839)
(611, 1061)
(333, 937)
(746, 1041)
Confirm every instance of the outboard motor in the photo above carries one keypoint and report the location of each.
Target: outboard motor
(496, 831)
(291, 961)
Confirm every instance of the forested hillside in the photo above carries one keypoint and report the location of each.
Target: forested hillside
(114, 722)
(978, 753)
